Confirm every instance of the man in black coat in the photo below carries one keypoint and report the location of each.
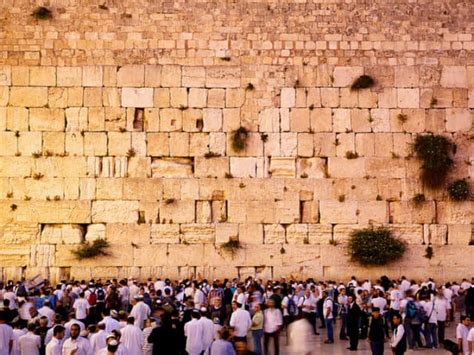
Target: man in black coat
(353, 318)
(376, 332)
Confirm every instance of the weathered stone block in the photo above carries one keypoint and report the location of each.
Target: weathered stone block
(28, 96)
(62, 234)
(345, 76)
(164, 233)
(69, 76)
(338, 212)
(409, 213)
(137, 97)
(282, 167)
(223, 77)
(211, 167)
(319, 233)
(131, 75)
(42, 76)
(114, 211)
(454, 77)
(297, 234)
(198, 233)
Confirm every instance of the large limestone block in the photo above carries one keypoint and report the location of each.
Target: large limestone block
(109, 189)
(251, 233)
(152, 255)
(14, 256)
(47, 119)
(198, 233)
(92, 76)
(4, 95)
(19, 233)
(128, 233)
(288, 97)
(406, 76)
(42, 76)
(436, 234)
(171, 76)
(194, 76)
(131, 75)
(307, 255)
(164, 234)
(274, 234)
(319, 233)
(6, 76)
(172, 167)
(137, 97)
(142, 189)
(386, 167)
(62, 234)
(186, 255)
(311, 168)
(346, 168)
(459, 234)
(9, 143)
(297, 234)
(42, 255)
(408, 98)
(407, 212)
(15, 166)
(177, 211)
(410, 233)
(373, 212)
(282, 167)
(243, 167)
(459, 119)
(211, 167)
(114, 211)
(62, 166)
(452, 212)
(268, 255)
(223, 77)
(269, 120)
(286, 211)
(345, 76)
(69, 76)
(338, 212)
(28, 96)
(54, 211)
(454, 77)
(95, 231)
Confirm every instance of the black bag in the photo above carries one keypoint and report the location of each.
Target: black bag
(451, 346)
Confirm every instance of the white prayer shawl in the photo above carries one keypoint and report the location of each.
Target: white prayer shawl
(98, 341)
(194, 332)
(132, 338)
(141, 311)
(208, 329)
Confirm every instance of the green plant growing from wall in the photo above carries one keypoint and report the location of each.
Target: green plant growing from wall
(239, 139)
(91, 250)
(459, 190)
(435, 153)
(362, 82)
(231, 247)
(419, 199)
(375, 246)
(429, 253)
(42, 13)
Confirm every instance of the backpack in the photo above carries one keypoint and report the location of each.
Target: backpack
(92, 299)
(411, 310)
(292, 309)
(100, 295)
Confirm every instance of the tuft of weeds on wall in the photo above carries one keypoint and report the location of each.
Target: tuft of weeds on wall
(57, 198)
(459, 190)
(103, 7)
(341, 198)
(395, 155)
(250, 87)
(9, 194)
(91, 250)
(264, 137)
(362, 82)
(36, 155)
(378, 198)
(333, 242)
(170, 201)
(402, 118)
(241, 185)
(429, 253)
(131, 153)
(433, 102)
(209, 155)
(435, 153)
(231, 247)
(375, 246)
(351, 155)
(27, 198)
(419, 198)
(38, 176)
(282, 250)
(239, 139)
(122, 129)
(304, 176)
(183, 107)
(228, 176)
(13, 207)
(141, 217)
(225, 59)
(17, 134)
(42, 13)
(48, 154)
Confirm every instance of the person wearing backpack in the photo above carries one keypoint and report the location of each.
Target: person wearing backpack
(398, 342)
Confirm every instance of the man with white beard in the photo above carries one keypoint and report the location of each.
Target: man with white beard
(132, 337)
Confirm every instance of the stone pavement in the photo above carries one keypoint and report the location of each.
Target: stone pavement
(339, 346)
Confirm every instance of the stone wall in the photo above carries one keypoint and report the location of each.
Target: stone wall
(117, 122)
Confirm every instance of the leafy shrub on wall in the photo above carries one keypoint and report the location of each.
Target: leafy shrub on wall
(375, 246)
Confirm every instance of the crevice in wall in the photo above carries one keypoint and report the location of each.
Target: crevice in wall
(139, 119)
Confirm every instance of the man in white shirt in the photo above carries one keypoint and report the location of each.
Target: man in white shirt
(328, 305)
(462, 332)
(208, 329)
(132, 337)
(273, 322)
(140, 311)
(76, 345)
(442, 310)
(470, 341)
(6, 335)
(10, 295)
(30, 343)
(194, 332)
(240, 321)
(398, 342)
(98, 340)
(47, 312)
(81, 307)
(430, 330)
(110, 321)
(54, 347)
(308, 304)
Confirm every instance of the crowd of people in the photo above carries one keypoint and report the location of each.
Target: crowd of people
(226, 317)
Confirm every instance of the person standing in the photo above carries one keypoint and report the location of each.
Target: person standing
(140, 312)
(98, 340)
(462, 331)
(81, 307)
(208, 330)
(398, 341)
(328, 317)
(376, 332)
(241, 322)
(257, 329)
(442, 310)
(6, 335)
(431, 323)
(273, 322)
(223, 346)
(164, 339)
(353, 318)
(76, 345)
(308, 306)
(194, 332)
(342, 299)
(54, 347)
(30, 343)
(132, 337)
